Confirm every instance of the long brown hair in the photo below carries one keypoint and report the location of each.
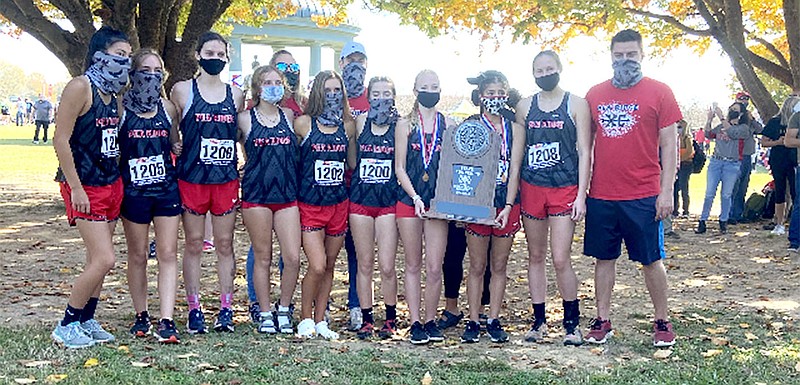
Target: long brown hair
(316, 99)
(138, 57)
(255, 82)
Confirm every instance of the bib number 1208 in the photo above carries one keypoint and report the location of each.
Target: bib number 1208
(218, 152)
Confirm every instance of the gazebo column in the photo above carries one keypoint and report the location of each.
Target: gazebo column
(337, 54)
(316, 59)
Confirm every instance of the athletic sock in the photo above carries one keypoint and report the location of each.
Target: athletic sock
(538, 312)
(144, 314)
(71, 315)
(572, 313)
(366, 315)
(391, 312)
(88, 310)
(226, 300)
(194, 301)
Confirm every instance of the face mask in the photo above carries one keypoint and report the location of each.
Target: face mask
(796, 107)
(332, 112)
(145, 92)
(108, 72)
(733, 115)
(293, 79)
(212, 66)
(428, 99)
(493, 105)
(548, 82)
(354, 74)
(382, 111)
(627, 73)
(272, 94)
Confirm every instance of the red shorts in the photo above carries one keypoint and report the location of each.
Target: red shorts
(220, 199)
(104, 202)
(370, 211)
(403, 210)
(331, 218)
(274, 207)
(512, 226)
(542, 202)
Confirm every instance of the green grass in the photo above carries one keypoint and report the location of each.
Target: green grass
(249, 358)
(26, 165)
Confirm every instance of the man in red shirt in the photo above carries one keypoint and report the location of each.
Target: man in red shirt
(635, 153)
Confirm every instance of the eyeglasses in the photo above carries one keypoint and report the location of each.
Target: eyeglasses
(286, 67)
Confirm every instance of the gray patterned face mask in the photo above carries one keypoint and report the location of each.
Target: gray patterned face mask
(382, 111)
(627, 73)
(332, 112)
(108, 72)
(145, 92)
(353, 75)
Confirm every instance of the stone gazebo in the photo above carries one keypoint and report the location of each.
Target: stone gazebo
(298, 30)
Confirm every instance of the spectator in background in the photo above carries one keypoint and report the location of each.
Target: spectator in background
(746, 166)
(791, 140)
(41, 109)
(685, 169)
(21, 107)
(5, 114)
(28, 110)
(782, 160)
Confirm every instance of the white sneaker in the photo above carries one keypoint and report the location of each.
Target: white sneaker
(778, 230)
(323, 330)
(305, 328)
(355, 319)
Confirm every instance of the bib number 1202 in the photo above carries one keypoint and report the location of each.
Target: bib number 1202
(328, 172)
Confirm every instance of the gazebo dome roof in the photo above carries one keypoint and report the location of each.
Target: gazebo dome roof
(308, 8)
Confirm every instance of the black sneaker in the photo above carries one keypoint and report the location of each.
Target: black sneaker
(388, 330)
(701, 227)
(472, 333)
(434, 333)
(152, 253)
(418, 334)
(723, 227)
(496, 332)
(197, 322)
(483, 319)
(255, 312)
(142, 326)
(224, 321)
(449, 320)
(167, 333)
(365, 332)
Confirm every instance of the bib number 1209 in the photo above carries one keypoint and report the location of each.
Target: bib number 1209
(328, 172)
(218, 152)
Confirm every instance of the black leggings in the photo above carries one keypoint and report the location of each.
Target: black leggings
(783, 174)
(453, 264)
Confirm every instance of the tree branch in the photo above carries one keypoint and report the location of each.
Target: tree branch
(791, 17)
(771, 48)
(771, 68)
(79, 14)
(671, 20)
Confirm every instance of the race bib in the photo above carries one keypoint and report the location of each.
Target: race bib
(147, 170)
(328, 172)
(502, 172)
(375, 170)
(109, 147)
(543, 155)
(217, 152)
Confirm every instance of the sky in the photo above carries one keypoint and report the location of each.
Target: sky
(400, 52)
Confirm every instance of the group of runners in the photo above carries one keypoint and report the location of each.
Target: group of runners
(343, 155)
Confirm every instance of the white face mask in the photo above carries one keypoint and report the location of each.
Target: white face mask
(796, 107)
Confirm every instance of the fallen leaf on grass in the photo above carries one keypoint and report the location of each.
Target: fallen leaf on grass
(719, 330)
(797, 367)
(53, 378)
(394, 365)
(188, 355)
(92, 362)
(139, 364)
(205, 366)
(233, 365)
(325, 374)
(719, 341)
(662, 354)
(711, 353)
(25, 380)
(34, 364)
(301, 360)
(750, 336)
(124, 349)
(426, 379)
(744, 325)
(596, 351)
(282, 351)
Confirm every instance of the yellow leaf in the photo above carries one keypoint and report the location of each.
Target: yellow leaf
(53, 378)
(25, 380)
(662, 354)
(282, 351)
(711, 353)
(426, 379)
(596, 351)
(750, 336)
(719, 341)
(744, 325)
(719, 330)
(92, 362)
(124, 349)
(139, 364)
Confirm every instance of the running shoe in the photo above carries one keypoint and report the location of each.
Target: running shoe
(366, 330)
(778, 230)
(573, 337)
(663, 335)
(167, 333)
(255, 313)
(449, 320)
(418, 335)
(285, 321)
(94, 330)
(224, 322)
(434, 333)
(142, 326)
(152, 253)
(600, 331)
(472, 333)
(356, 319)
(72, 336)
(305, 328)
(496, 332)
(208, 246)
(267, 324)
(197, 322)
(322, 330)
(388, 329)
(538, 331)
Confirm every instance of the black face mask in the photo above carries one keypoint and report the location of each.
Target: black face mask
(733, 115)
(293, 78)
(428, 99)
(548, 82)
(212, 66)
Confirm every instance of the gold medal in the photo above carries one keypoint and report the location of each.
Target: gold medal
(505, 178)
(425, 177)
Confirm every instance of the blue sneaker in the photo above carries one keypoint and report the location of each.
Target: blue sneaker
(224, 321)
(197, 322)
(94, 330)
(152, 253)
(72, 336)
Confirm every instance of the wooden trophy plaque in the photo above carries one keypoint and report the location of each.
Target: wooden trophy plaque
(467, 175)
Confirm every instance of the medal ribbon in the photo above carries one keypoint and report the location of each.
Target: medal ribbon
(503, 134)
(427, 154)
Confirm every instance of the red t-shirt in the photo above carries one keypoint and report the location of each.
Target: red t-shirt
(626, 124)
(359, 105)
(291, 104)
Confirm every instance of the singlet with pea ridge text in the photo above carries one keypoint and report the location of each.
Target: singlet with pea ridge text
(323, 159)
(415, 167)
(551, 154)
(270, 173)
(94, 142)
(374, 182)
(145, 154)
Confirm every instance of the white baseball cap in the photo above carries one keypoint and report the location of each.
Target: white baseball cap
(351, 48)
